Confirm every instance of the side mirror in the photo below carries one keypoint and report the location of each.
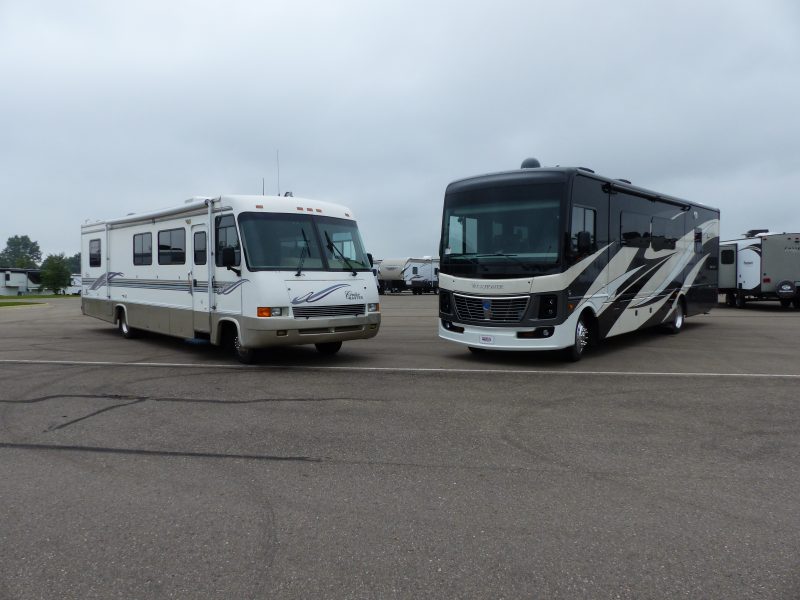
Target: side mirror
(584, 239)
(371, 262)
(228, 257)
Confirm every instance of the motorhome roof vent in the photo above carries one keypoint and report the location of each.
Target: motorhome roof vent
(755, 232)
(530, 163)
(624, 180)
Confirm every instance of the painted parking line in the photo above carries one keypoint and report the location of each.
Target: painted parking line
(81, 363)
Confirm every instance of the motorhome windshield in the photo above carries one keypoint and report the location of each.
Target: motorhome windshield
(502, 232)
(276, 241)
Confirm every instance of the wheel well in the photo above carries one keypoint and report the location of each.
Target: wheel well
(226, 332)
(119, 312)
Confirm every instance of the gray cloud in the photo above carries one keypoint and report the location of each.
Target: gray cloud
(112, 107)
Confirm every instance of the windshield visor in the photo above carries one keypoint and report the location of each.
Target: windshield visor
(276, 241)
(505, 231)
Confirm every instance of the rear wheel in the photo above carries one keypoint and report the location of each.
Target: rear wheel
(126, 330)
(785, 303)
(328, 348)
(582, 336)
(676, 324)
(740, 301)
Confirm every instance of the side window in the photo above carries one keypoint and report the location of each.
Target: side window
(634, 230)
(415, 270)
(143, 249)
(172, 247)
(583, 219)
(227, 238)
(95, 259)
(666, 233)
(200, 247)
(727, 257)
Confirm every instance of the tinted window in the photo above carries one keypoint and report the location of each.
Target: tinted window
(667, 232)
(172, 247)
(200, 248)
(727, 257)
(227, 238)
(143, 249)
(94, 253)
(634, 230)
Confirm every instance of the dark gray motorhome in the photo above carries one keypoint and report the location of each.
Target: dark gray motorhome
(555, 258)
(760, 266)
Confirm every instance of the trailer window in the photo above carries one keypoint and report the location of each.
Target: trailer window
(199, 247)
(727, 257)
(172, 247)
(143, 249)
(227, 238)
(94, 253)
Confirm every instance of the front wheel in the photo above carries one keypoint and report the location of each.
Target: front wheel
(328, 348)
(246, 356)
(575, 352)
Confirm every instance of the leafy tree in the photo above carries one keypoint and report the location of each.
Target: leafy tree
(55, 272)
(20, 252)
(74, 263)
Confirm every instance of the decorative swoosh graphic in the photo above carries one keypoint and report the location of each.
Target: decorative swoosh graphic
(104, 279)
(315, 296)
(229, 287)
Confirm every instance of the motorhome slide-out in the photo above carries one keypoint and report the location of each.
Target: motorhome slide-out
(760, 266)
(249, 272)
(559, 258)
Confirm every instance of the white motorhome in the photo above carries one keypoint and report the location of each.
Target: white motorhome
(760, 266)
(245, 271)
(422, 275)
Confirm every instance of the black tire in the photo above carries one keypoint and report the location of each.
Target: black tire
(796, 303)
(126, 330)
(246, 356)
(475, 350)
(582, 337)
(785, 302)
(740, 301)
(328, 348)
(674, 327)
(730, 299)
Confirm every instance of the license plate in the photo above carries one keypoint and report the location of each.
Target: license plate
(487, 339)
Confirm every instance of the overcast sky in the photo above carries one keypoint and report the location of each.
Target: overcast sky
(112, 107)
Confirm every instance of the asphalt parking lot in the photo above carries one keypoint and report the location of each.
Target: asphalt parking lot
(404, 467)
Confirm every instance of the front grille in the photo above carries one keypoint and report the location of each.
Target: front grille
(494, 310)
(339, 310)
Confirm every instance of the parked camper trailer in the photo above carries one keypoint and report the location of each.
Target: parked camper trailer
(761, 266)
(74, 287)
(245, 271)
(391, 275)
(20, 282)
(556, 258)
(422, 275)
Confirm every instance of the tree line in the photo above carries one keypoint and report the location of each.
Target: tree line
(23, 253)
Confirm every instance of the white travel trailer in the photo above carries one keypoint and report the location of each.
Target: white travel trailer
(422, 275)
(17, 282)
(245, 271)
(391, 275)
(74, 287)
(761, 266)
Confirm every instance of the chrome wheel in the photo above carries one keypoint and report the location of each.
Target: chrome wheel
(582, 337)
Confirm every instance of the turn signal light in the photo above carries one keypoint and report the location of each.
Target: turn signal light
(268, 311)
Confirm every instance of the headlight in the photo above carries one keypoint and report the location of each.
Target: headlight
(271, 311)
(373, 307)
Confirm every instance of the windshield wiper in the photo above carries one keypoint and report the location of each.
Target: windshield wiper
(332, 247)
(303, 253)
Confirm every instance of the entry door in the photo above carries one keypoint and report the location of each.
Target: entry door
(199, 279)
